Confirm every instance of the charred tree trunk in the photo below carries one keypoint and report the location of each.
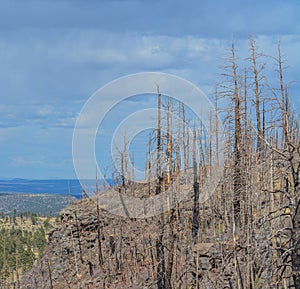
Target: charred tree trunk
(284, 114)
(159, 242)
(195, 225)
(159, 144)
(237, 182)
(257, 98)
(172, 239)
(296, 244)
(100, 256)
(170, 142)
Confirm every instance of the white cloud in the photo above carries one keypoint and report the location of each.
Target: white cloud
(23, 161)
(40, 115)
(44, 110)
(55, 54)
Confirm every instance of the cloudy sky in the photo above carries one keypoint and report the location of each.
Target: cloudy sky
(55, 54)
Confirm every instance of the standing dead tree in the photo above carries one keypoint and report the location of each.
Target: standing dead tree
(238, 178)
(287, 155)
(195, 224)
(257, 92)
(160, 255)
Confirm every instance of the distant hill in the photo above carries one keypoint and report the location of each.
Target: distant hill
(61, 187)
(70, 187)
(42, 204)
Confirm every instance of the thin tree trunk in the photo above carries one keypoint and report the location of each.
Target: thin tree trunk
(172, 240)
(257, 98)
(100, 256)
(170, 142)
(296, 245)
(160, 256)
(238, 184)
(195, 224)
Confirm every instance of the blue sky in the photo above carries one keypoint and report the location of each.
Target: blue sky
(55, 54)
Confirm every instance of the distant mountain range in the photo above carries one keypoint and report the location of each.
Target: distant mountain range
(70, 187)
(61, 187)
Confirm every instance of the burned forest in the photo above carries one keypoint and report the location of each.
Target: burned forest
(245, 234)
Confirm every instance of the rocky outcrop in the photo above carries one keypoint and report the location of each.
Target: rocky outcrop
(90, 248)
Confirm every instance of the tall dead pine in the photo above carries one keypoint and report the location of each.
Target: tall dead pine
(170, 142)
(254, 57)
(292, 155)
(195, 224)
(238, 179)
(160, 256)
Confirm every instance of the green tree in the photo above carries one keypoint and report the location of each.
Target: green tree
(40, 241)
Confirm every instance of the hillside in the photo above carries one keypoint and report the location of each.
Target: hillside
(23, 239)
(87, 250)
(90, 248)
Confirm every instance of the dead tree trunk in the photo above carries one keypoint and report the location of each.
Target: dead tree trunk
(172, 239)
(257, 98)
(284, 115)
(159, 144)
(100, 256)
(170, 142)
(159, 242)
(195, 224)
(296, 244)
(237, 182)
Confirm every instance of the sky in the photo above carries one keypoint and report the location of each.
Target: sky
(55, 54)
